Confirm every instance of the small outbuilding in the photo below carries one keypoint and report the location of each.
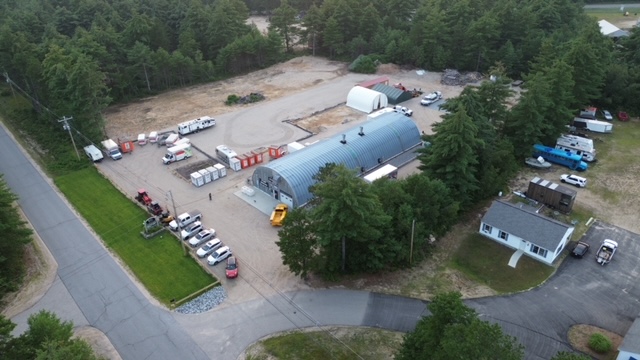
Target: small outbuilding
(369, 84)
(553, 195)
(366, 100)
(394, 95)
(362, 148)
(520, 227)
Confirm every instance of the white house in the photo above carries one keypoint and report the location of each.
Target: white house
(366, 100)
(521, 228)
(630, 347)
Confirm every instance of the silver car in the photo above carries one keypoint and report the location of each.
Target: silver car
(191, 230)
(209, 247)
(219, 255)
(202, 236)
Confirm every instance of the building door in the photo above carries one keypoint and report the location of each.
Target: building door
(286, 199)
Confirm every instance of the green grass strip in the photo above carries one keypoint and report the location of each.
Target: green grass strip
(158, 263)
(486, 261)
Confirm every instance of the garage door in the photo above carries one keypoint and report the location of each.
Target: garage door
(286, 199)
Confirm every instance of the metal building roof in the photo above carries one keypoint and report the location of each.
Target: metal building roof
(385, 137)
(394, 95)
(521, 221)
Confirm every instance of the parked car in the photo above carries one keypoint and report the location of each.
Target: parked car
(219, 255)
(403, 110)
(580, 250)
(431, 98)
(575, 180)
(607, 115)
(232, 268)
(209, 247)
(202, 236)
(191, 230)
(623, 116)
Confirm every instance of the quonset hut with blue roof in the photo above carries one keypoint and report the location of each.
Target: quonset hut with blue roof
(362, 148)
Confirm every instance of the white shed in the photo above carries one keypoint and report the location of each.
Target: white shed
(366, 100)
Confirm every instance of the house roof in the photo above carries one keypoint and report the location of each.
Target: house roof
(631, 341)
(522, 221)
(370, 83)
(608, 29)
(394, 94)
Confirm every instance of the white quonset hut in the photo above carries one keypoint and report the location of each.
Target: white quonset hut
(366, 100)
(362, 148)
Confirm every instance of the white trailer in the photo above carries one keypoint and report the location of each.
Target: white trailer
(196, 125)
(577, 145)
(177, 153)
(93, 153)
(593, 125)
(388, 171)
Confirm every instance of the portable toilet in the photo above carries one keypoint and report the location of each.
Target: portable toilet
(222, 171)
(153, 137)
(206, 175)
(235, 164)
(196, 179)
(244, 162)
(258, 156)
(251, 157)
(213, 172)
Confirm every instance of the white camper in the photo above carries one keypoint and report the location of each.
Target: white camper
(196, 125)
(577, 145)
(225, 154)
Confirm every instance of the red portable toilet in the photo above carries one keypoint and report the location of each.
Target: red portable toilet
(258, 157)
(251, 157)
(244, 162)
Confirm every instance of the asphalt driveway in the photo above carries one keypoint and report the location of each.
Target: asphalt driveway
(581, 292)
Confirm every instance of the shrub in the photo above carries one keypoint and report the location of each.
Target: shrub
(363, 65)
(232, 99)
(599, 343)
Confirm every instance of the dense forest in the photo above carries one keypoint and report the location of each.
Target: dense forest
(76, 57)
(79, 56)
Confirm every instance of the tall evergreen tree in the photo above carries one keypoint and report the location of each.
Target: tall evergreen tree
(284, 22)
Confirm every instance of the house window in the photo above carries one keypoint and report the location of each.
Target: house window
(538, 250)
(486, 228)
(503, 235)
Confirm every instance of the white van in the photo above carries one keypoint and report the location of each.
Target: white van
(93, 153)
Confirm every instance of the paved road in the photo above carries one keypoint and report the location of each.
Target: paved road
(104, 294)
(613, 6)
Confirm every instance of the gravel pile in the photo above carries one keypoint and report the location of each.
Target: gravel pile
(204, 302)
(454, 77)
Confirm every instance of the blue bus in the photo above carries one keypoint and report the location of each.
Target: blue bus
(561, 157)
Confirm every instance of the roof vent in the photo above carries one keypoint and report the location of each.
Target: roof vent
(344, 139)
(361, 133)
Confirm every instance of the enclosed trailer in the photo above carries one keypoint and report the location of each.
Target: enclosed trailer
(193, 126)
(593, 125)
(553, 195)
(388, 171)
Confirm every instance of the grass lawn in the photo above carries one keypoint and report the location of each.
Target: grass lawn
(486, 261)
(613, 14)
(311, 345)
(159, 262)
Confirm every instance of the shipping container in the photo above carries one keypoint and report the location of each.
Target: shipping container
(553, 195)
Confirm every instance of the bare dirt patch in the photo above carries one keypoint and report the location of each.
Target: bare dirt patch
(579, 338)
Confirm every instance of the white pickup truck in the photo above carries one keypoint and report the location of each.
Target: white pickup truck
(185, 219)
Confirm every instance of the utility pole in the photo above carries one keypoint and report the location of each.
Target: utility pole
(68, 128)
(6, 76)
(413, 229)
(175, 217)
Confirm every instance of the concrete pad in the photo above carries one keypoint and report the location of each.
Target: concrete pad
(259, 200)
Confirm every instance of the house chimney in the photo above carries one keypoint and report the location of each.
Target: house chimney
(344, 139)
(361, 133)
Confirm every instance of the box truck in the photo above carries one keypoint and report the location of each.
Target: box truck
(93, 153)
(177, 153)
(196, 125)
(112, 149)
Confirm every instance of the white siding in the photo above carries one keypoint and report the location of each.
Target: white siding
(625, 355)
